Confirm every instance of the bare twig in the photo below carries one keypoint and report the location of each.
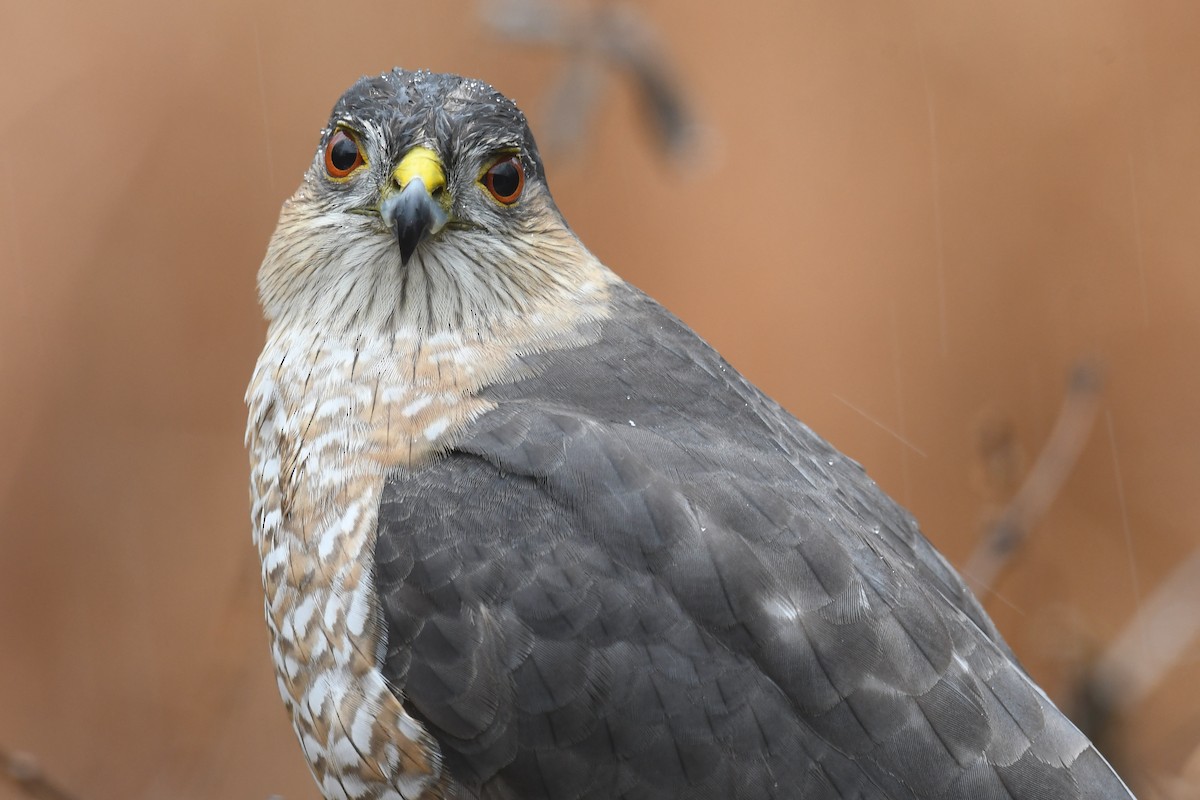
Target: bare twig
(603, 35)
(25, 773)
(1043, 483)
(1154, 640)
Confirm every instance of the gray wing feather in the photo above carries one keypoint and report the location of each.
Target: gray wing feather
(639, 577)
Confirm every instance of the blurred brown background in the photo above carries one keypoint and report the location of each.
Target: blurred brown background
(905, 221)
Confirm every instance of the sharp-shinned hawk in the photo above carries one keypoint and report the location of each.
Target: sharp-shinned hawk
(525, 535)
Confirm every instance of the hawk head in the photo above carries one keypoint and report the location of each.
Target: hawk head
(426, 208)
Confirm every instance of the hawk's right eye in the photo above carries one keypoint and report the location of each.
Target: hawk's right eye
(342, 155)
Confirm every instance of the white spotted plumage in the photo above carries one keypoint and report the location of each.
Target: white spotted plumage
(332, 413)
(320, 409)
(371, 366)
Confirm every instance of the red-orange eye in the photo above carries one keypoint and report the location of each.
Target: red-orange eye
(505, 179)
(342, 155)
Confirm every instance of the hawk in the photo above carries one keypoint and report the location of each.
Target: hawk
(525, 535)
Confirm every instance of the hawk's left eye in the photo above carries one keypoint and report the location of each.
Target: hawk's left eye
(342, 155)
(505, 179)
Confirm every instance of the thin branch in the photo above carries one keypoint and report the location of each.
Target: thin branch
(1154, 641)
(27, 775)
(602, 35)
(1071, 430)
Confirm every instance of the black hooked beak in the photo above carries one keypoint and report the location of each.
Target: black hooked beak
(413, 214)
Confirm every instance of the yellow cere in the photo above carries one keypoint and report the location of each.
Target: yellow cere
(421, 162)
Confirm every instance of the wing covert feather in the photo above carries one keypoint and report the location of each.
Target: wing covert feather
(639, 577)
